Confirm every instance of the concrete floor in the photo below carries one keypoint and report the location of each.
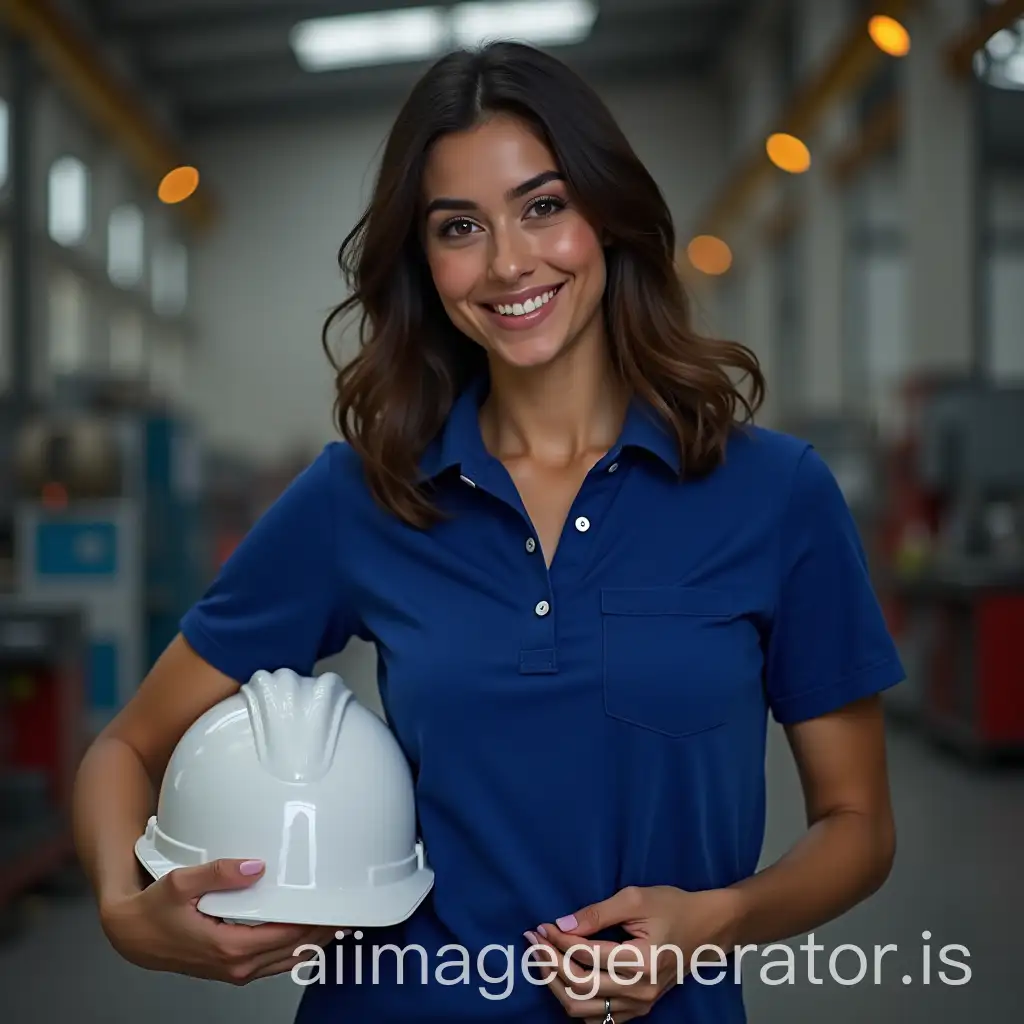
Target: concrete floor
(958, 876)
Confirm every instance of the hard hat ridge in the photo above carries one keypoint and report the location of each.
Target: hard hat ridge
(296, 722)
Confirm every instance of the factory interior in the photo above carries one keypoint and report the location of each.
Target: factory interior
(847, 183)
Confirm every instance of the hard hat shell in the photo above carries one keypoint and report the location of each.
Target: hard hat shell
(294, 771)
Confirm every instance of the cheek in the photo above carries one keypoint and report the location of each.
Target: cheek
(454, 273)
(577, 248)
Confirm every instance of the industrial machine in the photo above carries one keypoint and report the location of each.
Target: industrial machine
(953, 586)
(108, 520)
(42, 737)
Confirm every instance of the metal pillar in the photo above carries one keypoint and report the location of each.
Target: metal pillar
(22, 182)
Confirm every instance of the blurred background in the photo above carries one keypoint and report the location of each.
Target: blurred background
(847, 180)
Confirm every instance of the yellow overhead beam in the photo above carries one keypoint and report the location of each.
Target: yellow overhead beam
(111, 102)
(849, 67)
(880, 132)
(960, 52)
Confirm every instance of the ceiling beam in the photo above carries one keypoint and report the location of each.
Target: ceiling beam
(842, 75)
(880, 133)
(93, 84)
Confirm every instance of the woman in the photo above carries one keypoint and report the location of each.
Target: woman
(589, 580)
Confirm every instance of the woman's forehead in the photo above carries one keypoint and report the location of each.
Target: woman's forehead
(485, 162)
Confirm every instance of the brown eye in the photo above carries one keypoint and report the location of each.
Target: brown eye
(546, 206)
(458, 227)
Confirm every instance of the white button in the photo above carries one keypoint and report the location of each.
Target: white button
(531, 545)
(467, 480)
(542, 608)
(583, 524)
(614, 466)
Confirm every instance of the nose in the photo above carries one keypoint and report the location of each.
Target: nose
(510, 257)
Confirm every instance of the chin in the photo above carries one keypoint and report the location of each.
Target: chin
(528, 353)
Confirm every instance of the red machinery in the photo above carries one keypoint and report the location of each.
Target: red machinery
(42, 736)
(952, 549)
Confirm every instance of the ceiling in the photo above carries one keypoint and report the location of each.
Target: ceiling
(221, 61)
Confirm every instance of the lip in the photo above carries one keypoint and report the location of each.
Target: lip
(527, 320)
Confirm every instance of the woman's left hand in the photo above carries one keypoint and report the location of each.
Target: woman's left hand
(668, 926)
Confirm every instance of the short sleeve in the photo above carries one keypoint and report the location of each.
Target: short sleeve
(277, 602)
(829, 643)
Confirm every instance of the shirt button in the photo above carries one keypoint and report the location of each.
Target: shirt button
(614, 466)
(542, 608)
(583, 524)
(531, 545)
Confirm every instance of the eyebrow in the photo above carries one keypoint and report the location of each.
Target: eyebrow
(445, 203)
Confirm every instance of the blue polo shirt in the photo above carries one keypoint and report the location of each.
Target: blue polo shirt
(575, 729)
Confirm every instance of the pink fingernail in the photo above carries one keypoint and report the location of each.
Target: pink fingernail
(567, 923)
(542, 930)
(251, 867)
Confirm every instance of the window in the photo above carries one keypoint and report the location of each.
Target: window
(167, 369)
(68, 200)
(170, 279)
(68, 323)
(127, 352)
(5, 142)
(125, 246)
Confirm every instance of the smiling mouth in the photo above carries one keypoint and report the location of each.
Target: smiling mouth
(527, 307)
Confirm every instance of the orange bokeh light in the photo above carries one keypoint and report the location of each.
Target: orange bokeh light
(709, 255)
(178, 184)
(788, 153)
(889, 35)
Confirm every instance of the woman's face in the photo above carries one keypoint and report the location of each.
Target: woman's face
(518, 269)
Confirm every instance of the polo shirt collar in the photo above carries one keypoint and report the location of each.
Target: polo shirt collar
(460, 443)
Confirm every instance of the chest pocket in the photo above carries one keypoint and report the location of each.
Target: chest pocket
(676, 660)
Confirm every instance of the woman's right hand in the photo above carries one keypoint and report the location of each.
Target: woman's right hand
(162, 929)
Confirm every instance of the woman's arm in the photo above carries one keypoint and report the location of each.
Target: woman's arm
(115, 791)
(848, 850)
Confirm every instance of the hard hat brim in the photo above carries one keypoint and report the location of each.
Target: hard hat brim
(264, 902)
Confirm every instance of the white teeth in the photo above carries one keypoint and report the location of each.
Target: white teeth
(529, 306)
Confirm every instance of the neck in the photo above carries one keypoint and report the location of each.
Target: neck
(568, 411)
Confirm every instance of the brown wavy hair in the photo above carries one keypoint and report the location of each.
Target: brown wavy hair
(394, 396)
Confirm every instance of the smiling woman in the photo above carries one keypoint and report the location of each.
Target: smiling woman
(512, 226)
(588, 578)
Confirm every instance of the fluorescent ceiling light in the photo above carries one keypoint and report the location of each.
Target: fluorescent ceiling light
(541, 22)
(358, 40)
(1000, 63)
(418, 33)
(1014, 69)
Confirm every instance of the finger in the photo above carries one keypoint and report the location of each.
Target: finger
(592, 1008)
(587, 980)
(300, 953)
(629, 957)
(241, 943)
(314, 941)
(215, 876)
(285, 965)
(543, 958)
(624, 906)
(252, 940)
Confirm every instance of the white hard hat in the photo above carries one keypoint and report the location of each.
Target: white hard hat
(295, 772)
